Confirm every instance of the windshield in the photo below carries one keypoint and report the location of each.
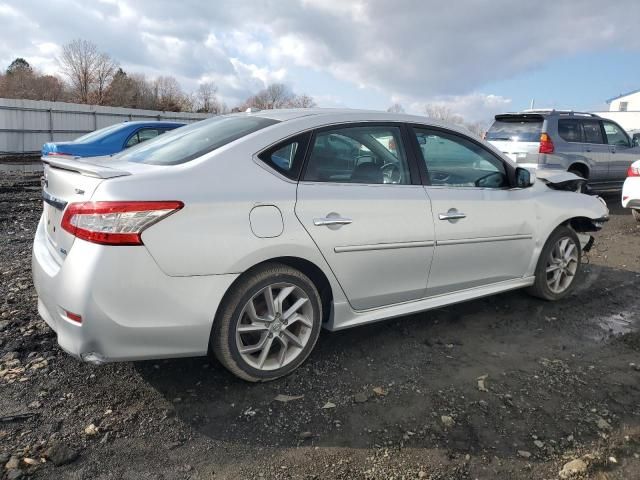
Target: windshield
(98, 134)
(516, 129)
(190, 142)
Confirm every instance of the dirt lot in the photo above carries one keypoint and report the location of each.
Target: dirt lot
(558, 382)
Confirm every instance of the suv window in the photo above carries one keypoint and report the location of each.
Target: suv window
(615, 134)
(454, 161)
(592, 131)
(287, 156)
(516, 128)
(570, 130)
(370, 154)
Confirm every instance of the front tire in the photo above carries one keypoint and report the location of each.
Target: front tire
(267, 326)
(558, 267)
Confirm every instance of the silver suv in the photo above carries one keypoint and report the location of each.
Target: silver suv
(582, 143)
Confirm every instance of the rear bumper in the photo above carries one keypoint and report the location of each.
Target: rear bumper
(130, 309)
(631, 193)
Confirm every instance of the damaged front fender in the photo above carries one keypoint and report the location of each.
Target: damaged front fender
(562, 181)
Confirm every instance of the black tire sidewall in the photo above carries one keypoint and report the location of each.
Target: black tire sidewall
(250, 289)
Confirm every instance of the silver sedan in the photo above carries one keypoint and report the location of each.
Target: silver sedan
(244, 235)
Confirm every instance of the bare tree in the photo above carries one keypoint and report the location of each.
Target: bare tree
(443, 113)
(78, 62)
(302, 101)
(396, 108)
(206, 99)
(105, 69)
(278, 95)
(477, 128)
(49, 88)
(168, 94)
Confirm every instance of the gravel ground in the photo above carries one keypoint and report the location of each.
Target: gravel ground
(506, 387)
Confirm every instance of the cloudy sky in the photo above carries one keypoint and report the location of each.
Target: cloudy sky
(477, 57)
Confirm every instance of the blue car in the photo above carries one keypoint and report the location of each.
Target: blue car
(109, 140)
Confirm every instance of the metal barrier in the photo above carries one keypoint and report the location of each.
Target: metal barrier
(26, 124)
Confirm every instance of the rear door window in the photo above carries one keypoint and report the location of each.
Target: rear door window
(368, 154)
(592, 131)
(570, 130)
(516, 128)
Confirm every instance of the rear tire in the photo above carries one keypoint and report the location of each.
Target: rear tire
(268, 324)
(558, 268)
(636, 214)
(577, 172)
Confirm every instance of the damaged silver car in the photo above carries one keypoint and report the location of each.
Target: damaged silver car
(245, 235)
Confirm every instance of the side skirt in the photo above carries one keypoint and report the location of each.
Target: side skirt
(344, 317)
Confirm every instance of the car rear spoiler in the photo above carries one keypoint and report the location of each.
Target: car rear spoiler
(83, 167)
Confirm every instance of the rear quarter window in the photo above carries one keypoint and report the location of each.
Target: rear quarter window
(287, 156)
(569, 130)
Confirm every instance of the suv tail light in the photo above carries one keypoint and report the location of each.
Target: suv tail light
(634, 170)
(546, 145)
(115, 223)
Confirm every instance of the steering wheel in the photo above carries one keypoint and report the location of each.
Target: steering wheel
(391, 173)
(485, 180)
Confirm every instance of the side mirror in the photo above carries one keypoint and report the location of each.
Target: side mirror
(524, 177)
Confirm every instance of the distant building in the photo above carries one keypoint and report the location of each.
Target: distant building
(625, 110)
(627, 102)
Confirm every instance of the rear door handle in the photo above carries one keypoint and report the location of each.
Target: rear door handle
(451, 215)
(327, 221)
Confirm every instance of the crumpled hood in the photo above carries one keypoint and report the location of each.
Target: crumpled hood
(561, 180)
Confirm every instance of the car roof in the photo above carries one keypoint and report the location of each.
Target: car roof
(152, 123)
(548, 112)
(329, 115)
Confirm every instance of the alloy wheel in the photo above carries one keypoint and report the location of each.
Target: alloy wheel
(274, 326)
(562, 265)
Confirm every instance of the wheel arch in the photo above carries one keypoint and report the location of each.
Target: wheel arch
(581, 167)
(310, 269)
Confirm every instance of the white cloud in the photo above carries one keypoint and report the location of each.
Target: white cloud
(473, 107)
(410, 49)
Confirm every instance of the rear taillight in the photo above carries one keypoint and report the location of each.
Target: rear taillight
(634, 170)
(546, 145)
(115, 223)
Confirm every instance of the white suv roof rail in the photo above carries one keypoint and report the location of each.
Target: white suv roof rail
(562, 112)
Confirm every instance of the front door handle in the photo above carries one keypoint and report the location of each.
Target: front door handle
(451, 215)
(328, 221)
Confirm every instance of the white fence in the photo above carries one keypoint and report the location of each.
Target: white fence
(26, 124)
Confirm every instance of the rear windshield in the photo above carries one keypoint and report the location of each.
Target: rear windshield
(190, 142)
(516, 129)
(99, 134)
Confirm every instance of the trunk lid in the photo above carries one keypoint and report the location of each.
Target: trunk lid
(517, 136)
(65, 181)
